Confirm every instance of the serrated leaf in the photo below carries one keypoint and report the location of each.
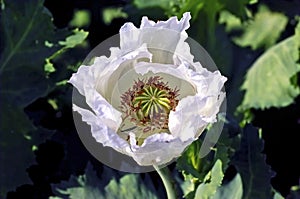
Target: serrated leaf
(27, 32)
(268, 81)
(91, 187)
(264, 30)
(250, 163)
(13, 164)
(25, 27)
(129, 186)
(84, 186)
(227, 143)
(232, 190)
(16, 155)
(213, 181)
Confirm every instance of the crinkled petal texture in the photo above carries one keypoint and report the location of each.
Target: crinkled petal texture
(158, 48)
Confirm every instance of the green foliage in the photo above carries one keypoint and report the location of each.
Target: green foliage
(194, 168)
(211, 182)
(232, 190)
(250, 163)
(164, 4)
(28, 37)
(71, 41)
(231, 21)
(295, 191)
(25, 26)
(188, 186)
(130, 186)
(91, 187)
(34, 61)
(84, 186)
(264, 30)
(78, 37)
(82, 18)
(190, 161)
(13, 164)
(187, 6)
(227, 143)
(238, 8)
(268, 82)
(178, 7)
(278, 196)
(109, 14)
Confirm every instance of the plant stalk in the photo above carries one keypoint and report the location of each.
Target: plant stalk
(168, 182)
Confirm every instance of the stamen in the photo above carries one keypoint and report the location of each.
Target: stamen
(146, 106)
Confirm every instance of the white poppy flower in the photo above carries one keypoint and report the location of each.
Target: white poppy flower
(149, 99)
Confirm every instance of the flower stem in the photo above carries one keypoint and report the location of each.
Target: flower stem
(168, 182)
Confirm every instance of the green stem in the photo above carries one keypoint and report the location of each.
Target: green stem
(168, 182)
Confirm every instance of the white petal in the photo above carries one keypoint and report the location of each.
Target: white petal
(129, 37)
(172, 23)
(145, 67)
(193, 114)
(161, 37)
(108, 77)
(181, 80)
(206, 82)
(158, 149)
(95, 82)
(84, 80)
(187, 120)
(101, 132)
(78, 80)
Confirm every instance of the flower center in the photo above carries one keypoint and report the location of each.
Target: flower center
(146, 107)
(152, 100)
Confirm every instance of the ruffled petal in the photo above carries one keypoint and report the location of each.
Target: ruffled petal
(95, 82)
(158, 149)
(172, 23)
(101, 132)
(176, 76)
(161, 38)
(145, 67)
(84, 80)
(188, 112)
(108, 77)
(129, 37)
(195, 112)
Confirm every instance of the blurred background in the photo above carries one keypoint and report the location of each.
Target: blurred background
(254, 43)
